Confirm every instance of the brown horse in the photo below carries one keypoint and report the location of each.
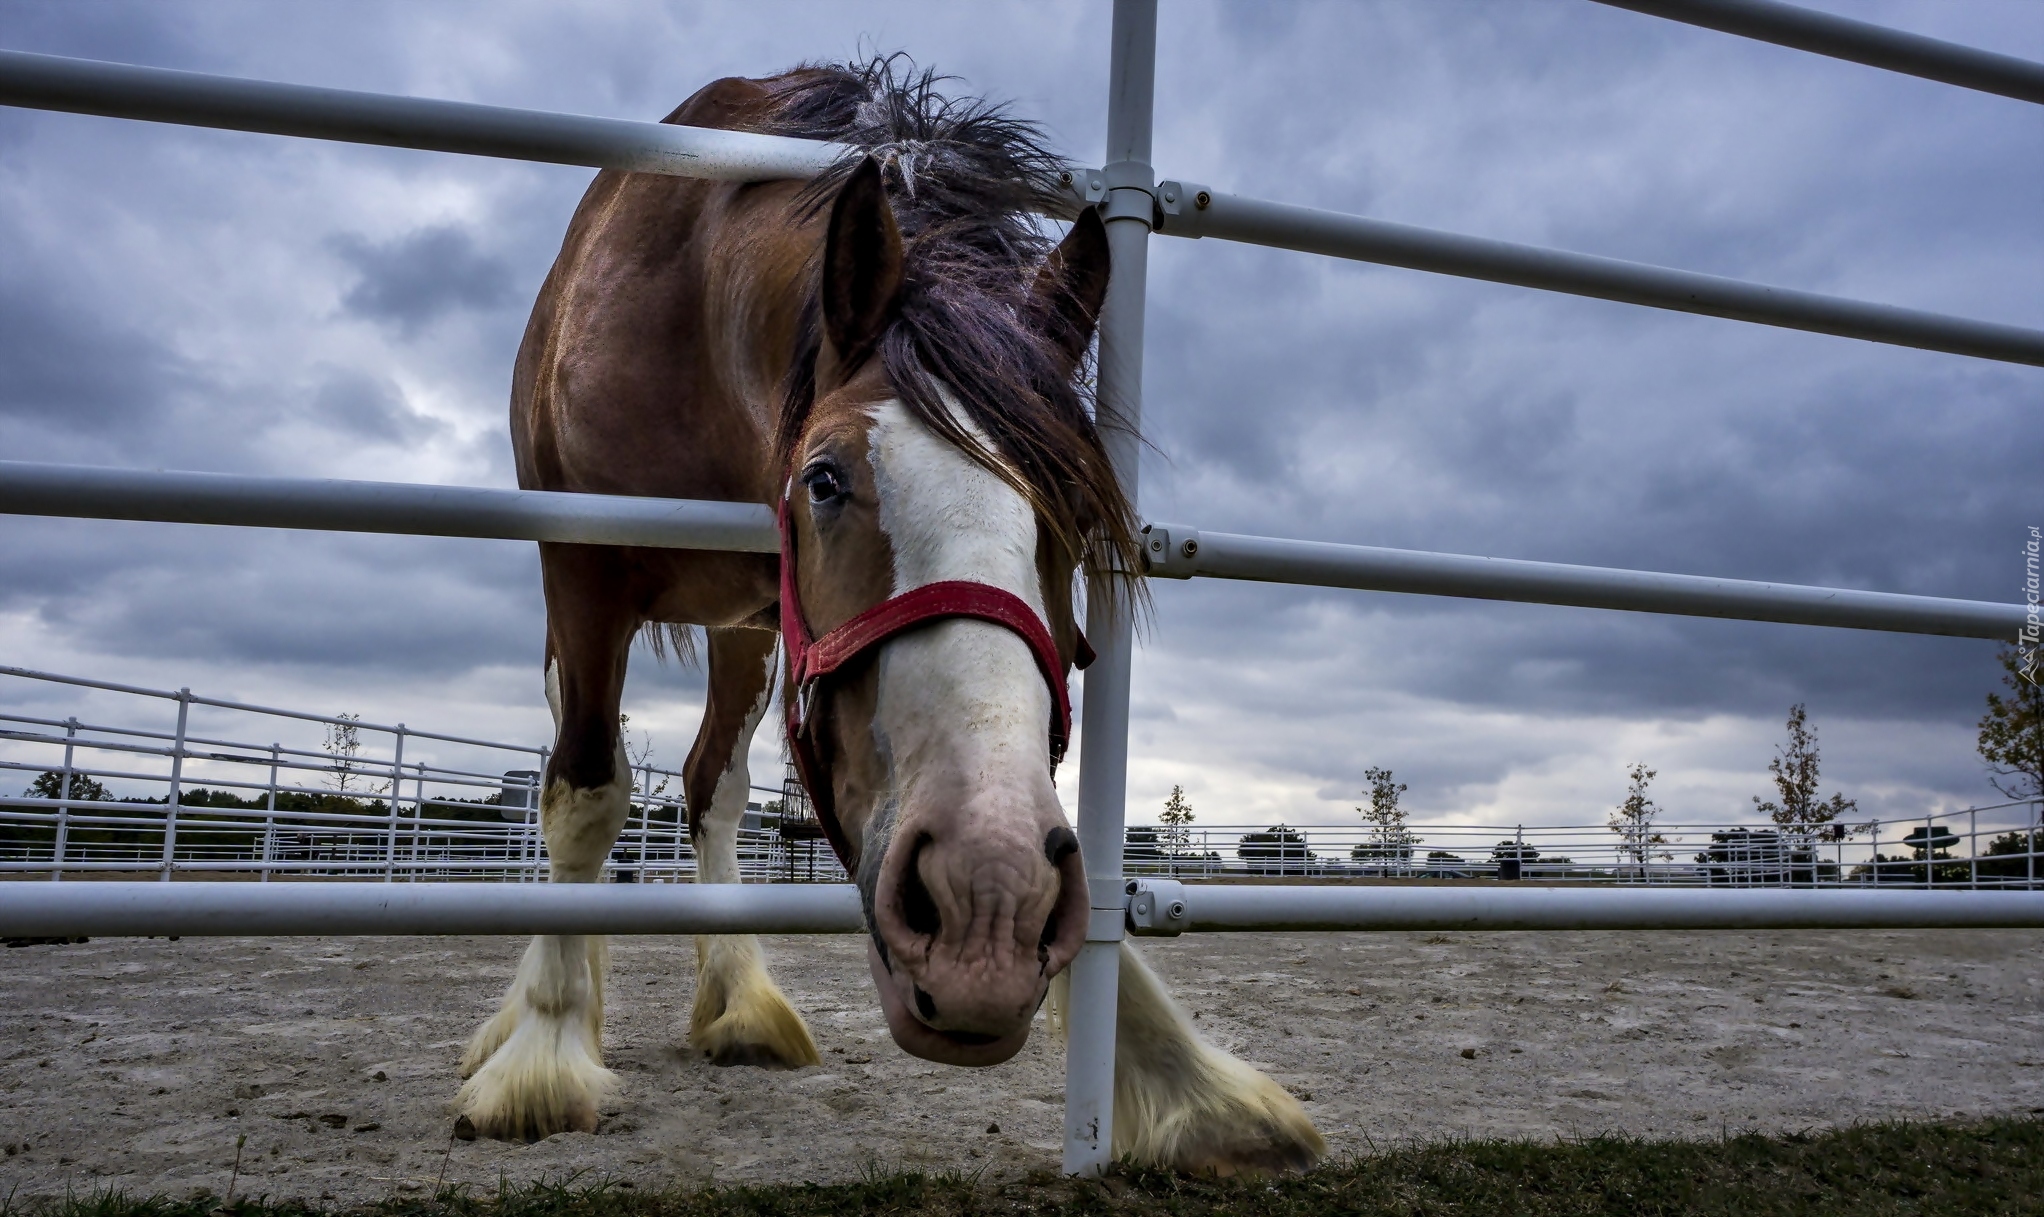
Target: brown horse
(889, 353)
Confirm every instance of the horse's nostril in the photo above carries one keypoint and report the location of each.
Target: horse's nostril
(1044, 939)
(925, 1004)
(1062, 843)
(917, 907)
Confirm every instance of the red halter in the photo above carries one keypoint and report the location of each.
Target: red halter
(812, 659)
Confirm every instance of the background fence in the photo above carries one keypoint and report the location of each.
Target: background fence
(198, 799)
(346, 799)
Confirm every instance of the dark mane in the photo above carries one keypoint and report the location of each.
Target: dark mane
(967, 181)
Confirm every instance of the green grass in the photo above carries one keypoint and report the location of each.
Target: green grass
(1992, 1166)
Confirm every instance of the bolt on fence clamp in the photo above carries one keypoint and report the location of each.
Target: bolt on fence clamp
(1182, 208)
(1170, 551)
(1083, 187)
(1157, 908)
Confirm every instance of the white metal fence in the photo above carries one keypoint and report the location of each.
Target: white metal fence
(1135, 204)
(1980, 848)
(193, 797)
(198, 800)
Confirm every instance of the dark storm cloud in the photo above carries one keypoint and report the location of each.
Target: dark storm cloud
(415, 279)
(171, 304)
(369, 407)
(1395, 408)
(66, 369)
(407, 607)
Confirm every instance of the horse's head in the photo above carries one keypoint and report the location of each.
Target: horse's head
(940, 440)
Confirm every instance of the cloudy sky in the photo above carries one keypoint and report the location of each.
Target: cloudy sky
(173, 298)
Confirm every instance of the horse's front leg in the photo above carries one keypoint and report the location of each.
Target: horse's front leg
(740, 1016)
(1183, 1104)
(536, 1068)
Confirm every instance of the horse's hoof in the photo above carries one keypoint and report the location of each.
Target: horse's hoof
(1241, 1124)
(528, 1125)
(761, 1029)
(546, 1078)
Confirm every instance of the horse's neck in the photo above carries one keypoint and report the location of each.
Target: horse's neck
(752, 312)
(660, 347)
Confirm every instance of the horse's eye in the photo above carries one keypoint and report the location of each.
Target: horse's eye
(824, 484)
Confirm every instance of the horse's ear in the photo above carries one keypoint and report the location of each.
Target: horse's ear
(1072, 284)
(861, 274)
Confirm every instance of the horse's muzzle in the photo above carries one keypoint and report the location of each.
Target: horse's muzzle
(966, 941)
(918, 1038)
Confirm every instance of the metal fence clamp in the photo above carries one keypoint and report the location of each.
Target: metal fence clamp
(1083, 187)
(1157, 908)
(1182, 208)
(1131, 194)
(1170, 551)
(1108, 913)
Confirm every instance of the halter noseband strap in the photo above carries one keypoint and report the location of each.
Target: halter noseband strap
(812, 659)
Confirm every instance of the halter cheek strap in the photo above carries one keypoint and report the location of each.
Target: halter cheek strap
(812, 659)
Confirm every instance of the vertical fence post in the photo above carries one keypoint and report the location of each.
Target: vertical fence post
(1930, 869)
(528, 849)
(1973, 850)
(646, 821)
(270, 815)
(177, 778)
(418, 815)
(397, 778)
(1103, 774)
(681, 827)
(63, 834)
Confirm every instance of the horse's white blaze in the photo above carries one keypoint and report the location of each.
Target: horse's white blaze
(964, 694)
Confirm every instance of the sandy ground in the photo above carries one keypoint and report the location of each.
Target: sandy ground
(138, 1064)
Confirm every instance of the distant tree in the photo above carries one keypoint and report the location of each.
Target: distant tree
(1800, 810)
(49, 784)
(2008, 856)
(1509, 858)
(1514, 851)
(1390, 840)
(1140, 848)
(343, 746)
(639, 757)
(1441, 864)
(1634, 821)
(2012, 731)
(1275, 850)
(1176, 819)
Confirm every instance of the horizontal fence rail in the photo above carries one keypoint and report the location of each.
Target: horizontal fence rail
(1358, 238)
(119, 90)
(538, 515)
(92, 492)
(1221, 555)
(1245, 908)
(114, 909)
(117, 909)
(1858, 41)
(163, 95)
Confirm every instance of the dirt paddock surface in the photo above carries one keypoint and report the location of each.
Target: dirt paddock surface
(136, 1064)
